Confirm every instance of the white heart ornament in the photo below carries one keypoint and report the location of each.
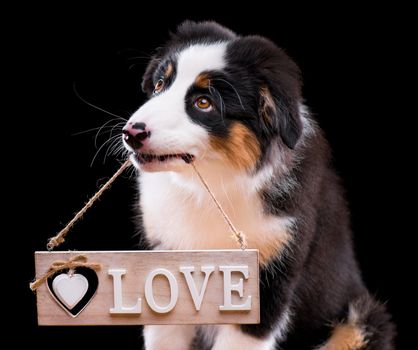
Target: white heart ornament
(70, 288)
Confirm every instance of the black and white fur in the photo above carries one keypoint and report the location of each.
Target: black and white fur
(268, 163)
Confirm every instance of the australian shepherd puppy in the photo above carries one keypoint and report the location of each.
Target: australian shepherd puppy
(232, 105)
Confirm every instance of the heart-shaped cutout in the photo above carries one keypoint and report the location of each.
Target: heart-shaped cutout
(70, 288)
(73, 290)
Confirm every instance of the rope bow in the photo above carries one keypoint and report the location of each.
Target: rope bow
(58, 265)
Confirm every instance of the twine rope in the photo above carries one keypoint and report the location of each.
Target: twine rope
(81, 260)
(238, 235)
(60, 237)
(57, 265)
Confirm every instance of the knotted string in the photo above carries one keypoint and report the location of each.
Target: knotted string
(238, 235)
(58, 265)
(81, 260)
(60, 237)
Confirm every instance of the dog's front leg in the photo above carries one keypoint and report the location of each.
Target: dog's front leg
(168, 337)
(231, 337)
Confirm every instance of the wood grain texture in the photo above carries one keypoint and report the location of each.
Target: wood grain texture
(138, 264)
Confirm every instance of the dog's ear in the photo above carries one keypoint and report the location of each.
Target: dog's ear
(280, 114)
(278, 82)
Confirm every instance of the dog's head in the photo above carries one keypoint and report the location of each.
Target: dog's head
(215, 97)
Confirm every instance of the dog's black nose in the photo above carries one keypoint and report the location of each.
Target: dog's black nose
(139, 126)
(135, 134)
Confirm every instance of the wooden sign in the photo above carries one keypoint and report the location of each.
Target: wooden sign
(151, 287)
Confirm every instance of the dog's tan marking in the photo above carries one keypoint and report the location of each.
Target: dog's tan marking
(267, 106)
(202, 81)
(346, 337)
(272, 246)
(168, 71)
(241, 148)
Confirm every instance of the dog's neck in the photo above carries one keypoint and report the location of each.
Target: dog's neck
(179, 213)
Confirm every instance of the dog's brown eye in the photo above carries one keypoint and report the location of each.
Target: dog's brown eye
(159, 86)
(203, 103)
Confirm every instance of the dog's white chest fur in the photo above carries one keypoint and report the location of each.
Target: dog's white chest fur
(183, 216)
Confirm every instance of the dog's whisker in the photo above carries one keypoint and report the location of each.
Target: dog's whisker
(117, 126)
(100, 129)
(92, 129)
(94, 106)
(116, 148)
(233, 87)
(101, 147)
(115, 142)
(221, 102)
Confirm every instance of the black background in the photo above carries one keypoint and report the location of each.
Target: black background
(348, 62)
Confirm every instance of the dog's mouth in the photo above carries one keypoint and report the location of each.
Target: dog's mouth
(146, 158)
